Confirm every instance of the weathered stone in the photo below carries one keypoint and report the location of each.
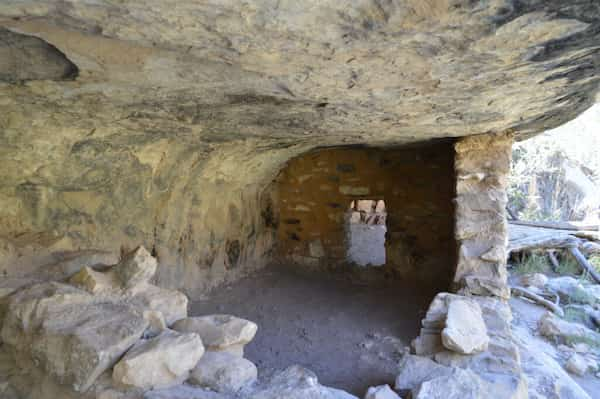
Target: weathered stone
(233, 86)
(223, 372)
(156, 323)
(537, 280)
(460, 384)
(24, 57)
(68, 334)
(429, 340)
(465, 330)
(414, 370)
(577, 365)
(172, 304)
(553, 327)
(480, 227)
(571, 290)
(160, 362)
(95, 282)
(220, 332)
(296, 382)
(136, 267)
(381, 392)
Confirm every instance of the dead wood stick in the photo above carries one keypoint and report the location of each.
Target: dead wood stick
(585, 265)
(553, 260)
(524, 292)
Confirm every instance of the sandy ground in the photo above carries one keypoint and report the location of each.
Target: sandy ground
(351, 335)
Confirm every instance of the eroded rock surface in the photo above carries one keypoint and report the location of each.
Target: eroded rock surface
(465, 330)
(223, 372)
(159, 362)
(220, 332)
(145, 145)
(69, 334)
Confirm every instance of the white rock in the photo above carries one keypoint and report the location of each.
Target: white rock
(296, 382)
(414, 370)
(220, 332)
(172, 304)
(70, 336)
(96, 282)
(136, 267)
(381, 392)
(552, 326)
(577, 365)
(223, 372)
(156, 323)
(461, 384)
(581, 347)
(160, 362)
(537, 280)
(465, 330)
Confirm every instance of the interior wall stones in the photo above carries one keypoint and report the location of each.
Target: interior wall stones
(417, 185)
(207, 219)
(482, 166)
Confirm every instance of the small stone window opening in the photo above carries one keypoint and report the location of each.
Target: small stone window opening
(365, 230)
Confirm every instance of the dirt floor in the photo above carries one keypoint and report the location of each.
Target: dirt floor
(350, 334)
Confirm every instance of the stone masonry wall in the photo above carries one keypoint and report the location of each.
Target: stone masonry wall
(482, 165)
(417, 184)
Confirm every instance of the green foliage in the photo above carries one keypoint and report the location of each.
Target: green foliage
(591, 341)
(595, 261)
(568, 266)
(533, 263)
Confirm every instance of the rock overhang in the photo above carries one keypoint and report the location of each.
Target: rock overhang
(183, 113)
(354, 72)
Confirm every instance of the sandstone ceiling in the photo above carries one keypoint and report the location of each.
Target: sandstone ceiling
(162, 121)
(360, 70)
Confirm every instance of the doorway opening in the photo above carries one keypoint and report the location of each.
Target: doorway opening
(365, 231)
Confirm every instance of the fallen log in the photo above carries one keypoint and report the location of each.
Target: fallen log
(547, 240)
(588, 235)
(524, 292)
(556, 225)
(585, 265)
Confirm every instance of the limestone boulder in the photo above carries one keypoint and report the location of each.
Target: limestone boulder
(381, 392)
(136, 267)
(220, 332)
(160, 362)
(96, 282)
(68, 334)
(558, 329)
(460, 384)
(296, 382)
(577, 364)
(223, 372)
(171, 303)
(414, 370)
(465, 330)
(156, 323)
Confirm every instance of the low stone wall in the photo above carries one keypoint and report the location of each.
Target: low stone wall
(417, 184)
(482, 165)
